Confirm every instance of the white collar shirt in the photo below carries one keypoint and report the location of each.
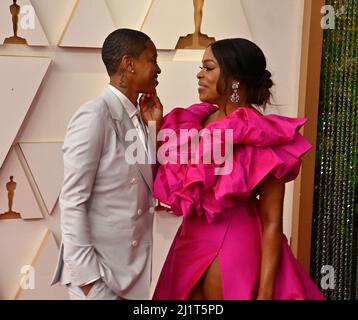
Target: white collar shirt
(133, 113)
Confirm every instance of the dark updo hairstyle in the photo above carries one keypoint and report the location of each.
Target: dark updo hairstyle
(122, 42)
(243, 60)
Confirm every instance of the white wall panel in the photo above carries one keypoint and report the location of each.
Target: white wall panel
(20, 78)
(54, 16)
(129, 13)
(90, 23)
(43, 264)
(19, 244)
(46, 166)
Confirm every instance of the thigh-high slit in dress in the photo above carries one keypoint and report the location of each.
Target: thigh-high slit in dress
(220, 212)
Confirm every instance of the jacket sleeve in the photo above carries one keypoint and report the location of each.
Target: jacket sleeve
(81, 154)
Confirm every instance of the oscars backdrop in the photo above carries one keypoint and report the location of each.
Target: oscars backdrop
(50, 64)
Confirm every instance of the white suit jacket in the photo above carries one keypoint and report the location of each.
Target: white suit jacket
(106, 203)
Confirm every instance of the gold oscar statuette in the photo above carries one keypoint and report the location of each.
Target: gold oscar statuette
(196, 40)
(15, 39)
(10, 187)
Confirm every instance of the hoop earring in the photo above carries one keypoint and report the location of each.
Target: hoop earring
(235, 98)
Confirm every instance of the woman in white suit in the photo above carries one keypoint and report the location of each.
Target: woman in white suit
(106, 201)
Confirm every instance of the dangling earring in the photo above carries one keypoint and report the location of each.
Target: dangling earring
(235, 96)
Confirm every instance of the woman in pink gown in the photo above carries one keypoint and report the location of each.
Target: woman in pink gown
(231, 244)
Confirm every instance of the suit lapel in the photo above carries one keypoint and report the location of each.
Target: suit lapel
(123, 123)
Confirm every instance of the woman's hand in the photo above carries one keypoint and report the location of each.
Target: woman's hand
(161, 208)
(151, 108)
(87, 288)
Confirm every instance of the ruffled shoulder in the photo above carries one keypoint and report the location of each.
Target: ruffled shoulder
(261, 145)
(182, 117)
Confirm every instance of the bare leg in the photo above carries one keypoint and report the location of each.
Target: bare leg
(212, 284)
(209, 287)
(197, 292)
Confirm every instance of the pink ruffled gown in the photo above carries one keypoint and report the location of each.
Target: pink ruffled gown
(220, 212)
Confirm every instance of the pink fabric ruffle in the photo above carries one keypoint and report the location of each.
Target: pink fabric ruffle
(262, 145)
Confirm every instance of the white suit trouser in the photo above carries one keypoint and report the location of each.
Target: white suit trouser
(99, 291)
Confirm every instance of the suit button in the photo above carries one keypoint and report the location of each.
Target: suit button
(151, 210)
(134, 180)
(139, 212)
(134, 243)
